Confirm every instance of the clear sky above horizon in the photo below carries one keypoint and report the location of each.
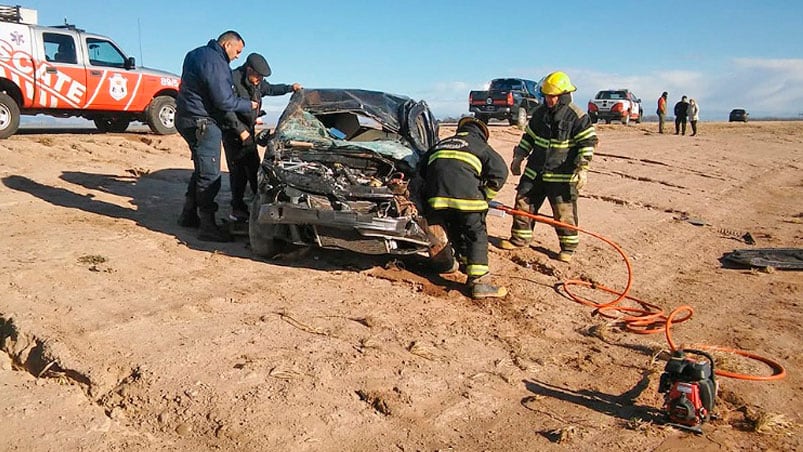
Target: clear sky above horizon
(725, 54)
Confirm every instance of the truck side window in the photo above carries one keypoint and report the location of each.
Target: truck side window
(104, 53)
(59, 48)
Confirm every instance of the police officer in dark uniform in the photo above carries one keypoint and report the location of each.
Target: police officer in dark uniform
(461, 174)
(203, 99)
(238, 138)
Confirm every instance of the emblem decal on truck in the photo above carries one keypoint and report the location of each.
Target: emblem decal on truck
(118, 88)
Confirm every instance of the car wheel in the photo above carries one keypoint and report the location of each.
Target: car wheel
(9, 116)
(161, 115)
(260, 236)
(116, 125)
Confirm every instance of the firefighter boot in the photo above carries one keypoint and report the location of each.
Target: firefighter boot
(509, 244)
(481, 287)
(189, 215)
(211, 231)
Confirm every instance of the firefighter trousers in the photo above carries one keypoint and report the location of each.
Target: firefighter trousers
(562, 198)
(468, 235)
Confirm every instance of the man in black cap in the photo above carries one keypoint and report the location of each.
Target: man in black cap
(238, 139)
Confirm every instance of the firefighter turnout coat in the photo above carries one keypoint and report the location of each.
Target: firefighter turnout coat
(557, 141)
(462, 172)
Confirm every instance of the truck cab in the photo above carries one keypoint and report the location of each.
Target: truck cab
(64, 71)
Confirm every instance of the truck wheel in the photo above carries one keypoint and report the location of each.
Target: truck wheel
(161, 115)
(521, 118)
(116, 125)
(626, 118)
(260, 236)
(640, 116)
(9, 116)
(593, 118)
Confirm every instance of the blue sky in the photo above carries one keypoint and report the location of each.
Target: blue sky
(725, 54)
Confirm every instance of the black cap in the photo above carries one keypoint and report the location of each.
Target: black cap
(258, 63)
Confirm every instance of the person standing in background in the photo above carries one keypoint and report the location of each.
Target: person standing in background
(694, 115)
(661, 111)
(681, 113)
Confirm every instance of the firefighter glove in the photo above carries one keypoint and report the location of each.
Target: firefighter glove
(580, 177)
(515, 165)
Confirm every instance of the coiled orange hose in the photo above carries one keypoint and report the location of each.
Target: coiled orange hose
(649, 318)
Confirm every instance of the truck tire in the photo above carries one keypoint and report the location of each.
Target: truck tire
(626, 118)
(116, 125)
(593, 118)
(260, 236)
(9, 116)
(161, 115)
(521, 118)
(640, 116)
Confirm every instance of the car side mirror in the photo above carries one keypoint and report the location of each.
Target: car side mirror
(130, 63)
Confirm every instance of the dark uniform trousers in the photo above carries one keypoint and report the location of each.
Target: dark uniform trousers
(468, 234)
(243, 163)
(203, 137)
(562, 197)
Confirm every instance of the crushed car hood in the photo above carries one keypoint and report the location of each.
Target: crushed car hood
(411, 121)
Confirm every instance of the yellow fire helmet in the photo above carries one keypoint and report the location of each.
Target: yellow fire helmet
(557, 83)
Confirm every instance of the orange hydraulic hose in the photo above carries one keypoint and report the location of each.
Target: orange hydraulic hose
(649, 319)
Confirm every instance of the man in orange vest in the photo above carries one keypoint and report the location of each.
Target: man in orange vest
(662, 111)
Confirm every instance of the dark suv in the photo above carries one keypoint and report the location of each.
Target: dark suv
(738, 114)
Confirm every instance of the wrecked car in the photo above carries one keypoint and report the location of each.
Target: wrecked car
(339, 172)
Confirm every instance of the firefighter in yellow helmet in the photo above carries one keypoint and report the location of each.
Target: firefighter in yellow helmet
(558, 144)
(461, 174)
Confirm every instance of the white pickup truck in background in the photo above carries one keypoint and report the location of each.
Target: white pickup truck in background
(615, 105)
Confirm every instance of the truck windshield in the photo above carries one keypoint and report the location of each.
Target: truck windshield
(612, 95)
(506, 84)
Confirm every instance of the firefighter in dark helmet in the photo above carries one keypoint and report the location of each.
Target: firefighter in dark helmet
(461, 174)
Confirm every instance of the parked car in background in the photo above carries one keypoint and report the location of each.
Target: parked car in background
(615, 105)
(339, 173)
(511, 99)
(738, 114)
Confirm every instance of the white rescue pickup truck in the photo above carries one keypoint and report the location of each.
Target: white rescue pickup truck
(64, 71)
(615, 105)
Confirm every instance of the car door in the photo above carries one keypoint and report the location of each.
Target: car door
(61, 77)
(109, 84)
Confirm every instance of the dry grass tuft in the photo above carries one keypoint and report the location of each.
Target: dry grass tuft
(771, 423)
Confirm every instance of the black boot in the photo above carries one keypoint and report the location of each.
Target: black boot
(211, 231)
(189, 215)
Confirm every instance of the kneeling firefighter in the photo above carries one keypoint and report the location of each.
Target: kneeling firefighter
(461, 174)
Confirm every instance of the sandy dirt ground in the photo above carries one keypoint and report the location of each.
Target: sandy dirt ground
(121, 331)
